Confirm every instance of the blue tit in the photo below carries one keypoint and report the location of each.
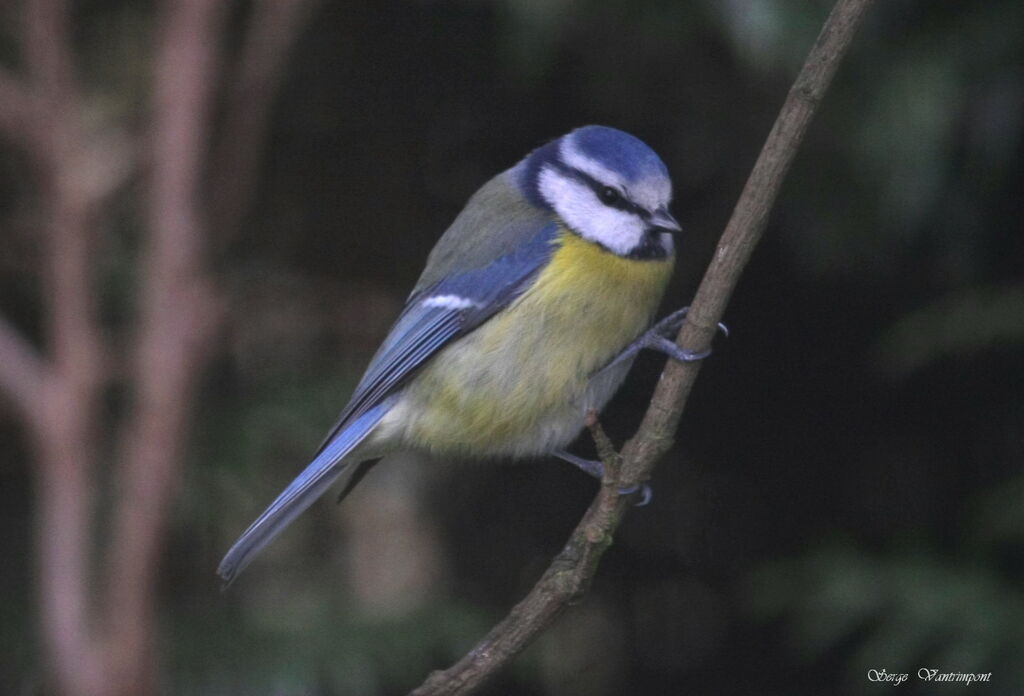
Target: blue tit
(527, 316)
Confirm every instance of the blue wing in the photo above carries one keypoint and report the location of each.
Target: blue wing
(323, 471)
(433, 317)
(442, 312)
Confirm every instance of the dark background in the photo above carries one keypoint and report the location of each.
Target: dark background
(845, 492)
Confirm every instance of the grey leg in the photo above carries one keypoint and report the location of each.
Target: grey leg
(659, 338)
(596, 469)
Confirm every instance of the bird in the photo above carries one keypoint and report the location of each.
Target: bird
(527, 316)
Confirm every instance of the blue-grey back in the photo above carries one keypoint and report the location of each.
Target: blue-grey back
(496, 220)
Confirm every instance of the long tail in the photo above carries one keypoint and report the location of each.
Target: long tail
(300, 493)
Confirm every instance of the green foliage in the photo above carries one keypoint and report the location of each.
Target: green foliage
(908, 605)
(961, 326)
(904, 610)
(328, 648)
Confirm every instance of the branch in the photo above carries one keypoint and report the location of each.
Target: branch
(22, 373)
(570, 572)
(48, 51)
(99, 164)
(107, 163)
(19, 110)
(741, 235)
(274, 27)
(65, 435)
(565, 581)
(178, 314)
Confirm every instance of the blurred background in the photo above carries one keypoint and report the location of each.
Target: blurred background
(210, 213)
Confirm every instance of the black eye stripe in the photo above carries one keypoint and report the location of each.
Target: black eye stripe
(620, 203)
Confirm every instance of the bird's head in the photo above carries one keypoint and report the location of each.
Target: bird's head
(606, 186)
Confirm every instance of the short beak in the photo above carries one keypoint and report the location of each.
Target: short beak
(663, 220)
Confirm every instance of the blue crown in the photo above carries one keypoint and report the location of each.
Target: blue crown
(613, 149)
(619, 151)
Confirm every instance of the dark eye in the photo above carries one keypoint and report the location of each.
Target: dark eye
(608, 195)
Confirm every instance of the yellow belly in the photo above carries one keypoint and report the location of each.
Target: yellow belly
(517, 385)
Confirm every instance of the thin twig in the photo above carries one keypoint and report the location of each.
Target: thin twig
(273, 29)
(565, 581)
(48, 49)
(571, 571)
(606, 452)
(22, 372)
(19, 110)
(741, 235)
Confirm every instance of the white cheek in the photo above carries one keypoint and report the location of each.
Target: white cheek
(617, 230)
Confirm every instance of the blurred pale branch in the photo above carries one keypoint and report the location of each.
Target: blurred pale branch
(272, 31)
(179, 313)
(97, 165)
(65, 439)
(570, 573)
(19, 108)
(101, 639)
(22, 372)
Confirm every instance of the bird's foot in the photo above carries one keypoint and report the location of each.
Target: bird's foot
(671, 324)
(660, 338)
(596, 469)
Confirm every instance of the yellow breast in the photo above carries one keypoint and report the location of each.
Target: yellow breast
(517, 383)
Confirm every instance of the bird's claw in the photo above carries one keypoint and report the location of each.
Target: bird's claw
(669, 348)
(671, 324)
(660, 337)
(596, 469)
(645, 491)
